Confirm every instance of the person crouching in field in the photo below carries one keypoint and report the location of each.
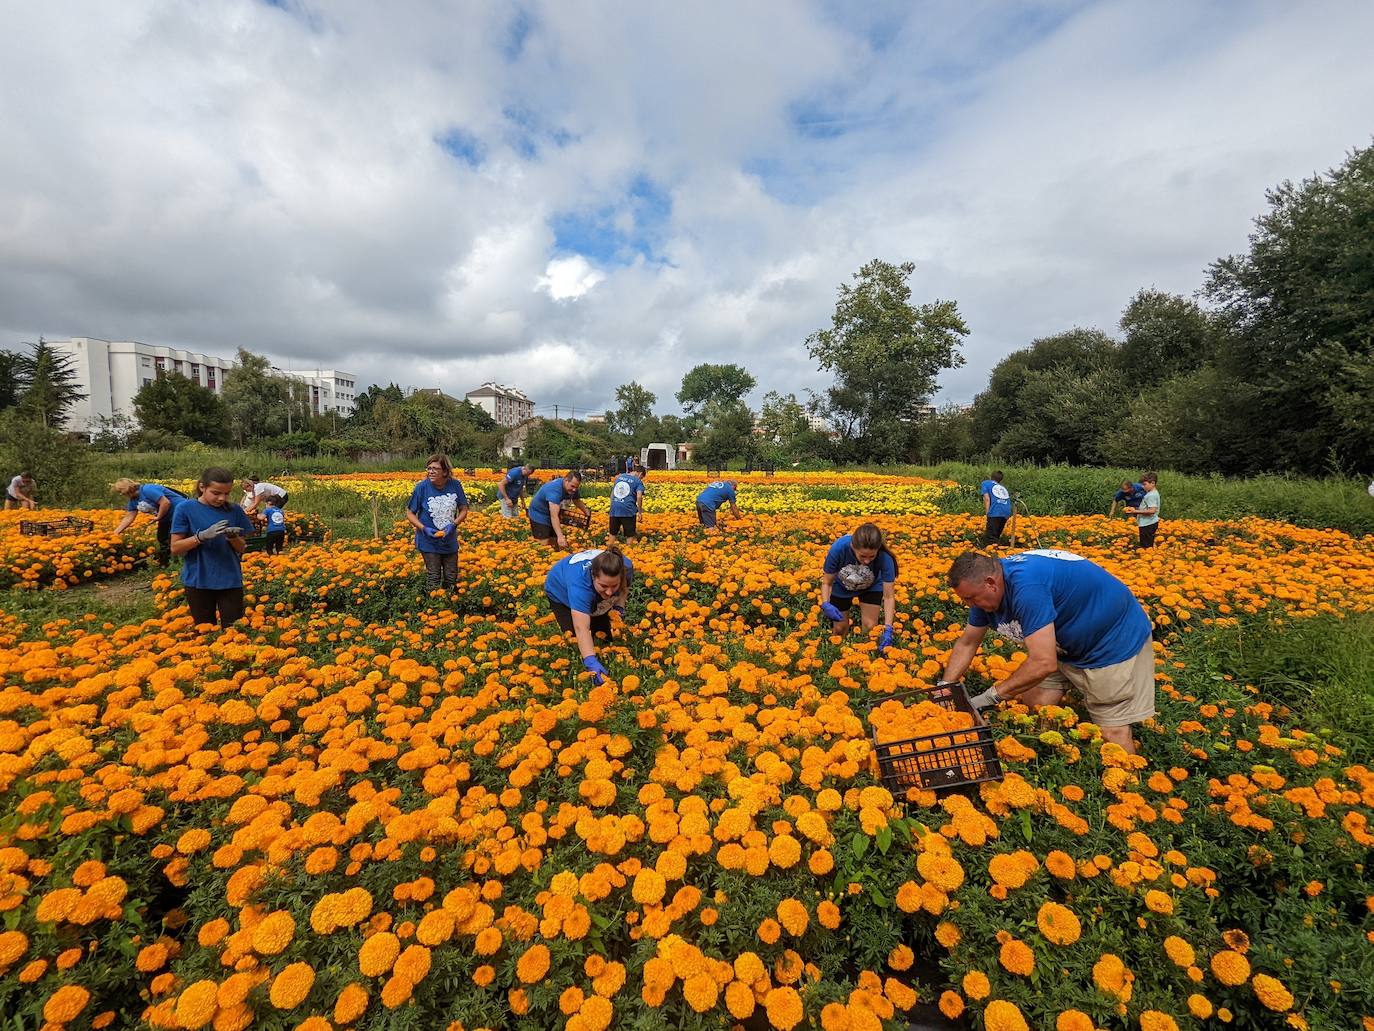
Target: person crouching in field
(582, 590)
(859, 567)
(150, 499)
(20, 493)
(1128, 496)
(511, 489)
(711, 498)
(436, 508)
(1146, 512)
(208, 531)
(1081, 628)
(546, 523)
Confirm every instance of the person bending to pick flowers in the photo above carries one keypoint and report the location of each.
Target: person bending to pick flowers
(582, 591)
(859, 566)
(1081, 628)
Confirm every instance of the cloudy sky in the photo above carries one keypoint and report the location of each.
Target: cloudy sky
(567, 196)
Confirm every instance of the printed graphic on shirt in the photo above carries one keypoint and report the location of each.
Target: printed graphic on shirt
(716, 485)
(442, 509)
(1000, 493)
(621, 490)
(146, 508)
(856, 577)
(1012, 630)
(1059, 553)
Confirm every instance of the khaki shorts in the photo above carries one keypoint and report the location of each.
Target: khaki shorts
(1115, 696)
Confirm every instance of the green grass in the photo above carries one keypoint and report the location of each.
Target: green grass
(127, 600)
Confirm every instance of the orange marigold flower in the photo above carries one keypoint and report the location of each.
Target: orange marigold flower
(1058, 924)
(65, 1004)
(828, 915)
(273, 933)
(793, 917)
(292, 985)
(649, 887)
(1001, 1015)
(488, 941)
(948, 934)
(940, 869)
(769, 931)
(351, 1004)
(1230, 967)
(976, 985)
(784, 1008)
(1180, 953)
(1159, 902)
(901, 958)
(1074, 1020)
(1272, 993)
(701, 992)
(1156, 1020)
(533, 964)
(378, 954)
(1017, 957)
(196, 1004)
(951, 1004)
(152, 957)
(748, 967)
(739, 1000)
(1199, 1006)
(1111, 976)
(1060, 864)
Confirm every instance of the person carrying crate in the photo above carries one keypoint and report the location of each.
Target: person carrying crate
(859, 567)
(546, 523)
(1081, 628)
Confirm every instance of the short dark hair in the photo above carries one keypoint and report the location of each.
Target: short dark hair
(1149, 477)
(971, 565)
(996, 477)
(575, 474)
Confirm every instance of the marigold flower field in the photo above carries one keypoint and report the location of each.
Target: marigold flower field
(367, 807)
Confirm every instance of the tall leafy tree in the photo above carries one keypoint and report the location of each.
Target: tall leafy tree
(718, 384)
(634, 412)
(1301, 305)
(1164, 336)
(254, 399)
(11, 379)
(174, 404)
(885, 353)
(51, 384)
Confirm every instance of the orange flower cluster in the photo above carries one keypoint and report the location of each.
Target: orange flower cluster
(59, 562)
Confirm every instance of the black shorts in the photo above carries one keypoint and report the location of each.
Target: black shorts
(867, 598)
(707, 516)
(11, 497)
(600, 624)
(542, 531)
(623, 523)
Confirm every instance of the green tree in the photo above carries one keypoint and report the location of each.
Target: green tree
(719, 384)
(171, 403)
(729, 433)
(11, 379)
(62, 465)
(1164, 336)
(255, 400)
(782, 420)
(634, 412)
(885, 354)
(1300, 305)
(51, 384)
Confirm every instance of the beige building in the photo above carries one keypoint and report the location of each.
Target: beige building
(508, 406)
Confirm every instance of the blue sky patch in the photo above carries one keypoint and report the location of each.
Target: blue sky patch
(617, 234)
(463, 146)
(516, 34)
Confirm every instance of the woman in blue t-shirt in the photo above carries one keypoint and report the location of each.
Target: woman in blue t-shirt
(149, 499)
(859, 566)
(208, 531)
(436, 508)
(582, 590)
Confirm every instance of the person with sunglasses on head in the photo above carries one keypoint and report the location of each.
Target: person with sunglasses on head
(436, 508)
(583, 590)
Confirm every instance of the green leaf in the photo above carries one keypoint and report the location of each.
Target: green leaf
(859, 843)
(884, 839)
(879, 899)
(903, 829)
(1026, 825)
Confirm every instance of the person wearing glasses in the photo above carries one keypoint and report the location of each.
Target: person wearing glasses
(436, 508)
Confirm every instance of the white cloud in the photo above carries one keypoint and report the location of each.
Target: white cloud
(567, 279)
(238, 175)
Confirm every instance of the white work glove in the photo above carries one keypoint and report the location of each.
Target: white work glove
(218, 529)
(987, 700)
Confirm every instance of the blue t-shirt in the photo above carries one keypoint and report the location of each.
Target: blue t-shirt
(715, 495)
(999, 504)
(853, 577)
(625, 494)
(212, 565)
(1097, 621)
(152, 494)
(570, 583)
(437, 508)
(515, 482)
(276, 519)
(552, 493)
(1131, 497)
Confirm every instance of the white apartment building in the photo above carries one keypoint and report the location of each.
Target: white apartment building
(110, 373)
(508, 406)
(330, 389)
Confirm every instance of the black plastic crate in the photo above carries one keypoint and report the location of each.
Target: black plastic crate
(68, 527)
(571, 515)
(937, 762)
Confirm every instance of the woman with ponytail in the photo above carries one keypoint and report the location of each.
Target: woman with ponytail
(859, 566)
(582, 590)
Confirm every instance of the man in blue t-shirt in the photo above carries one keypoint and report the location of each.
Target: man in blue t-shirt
(710, 499)
(436, 508)
(546, 521)
(511, 489)
(627, 503)
(1128, 496)
(1081, 628)
(996, 507)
